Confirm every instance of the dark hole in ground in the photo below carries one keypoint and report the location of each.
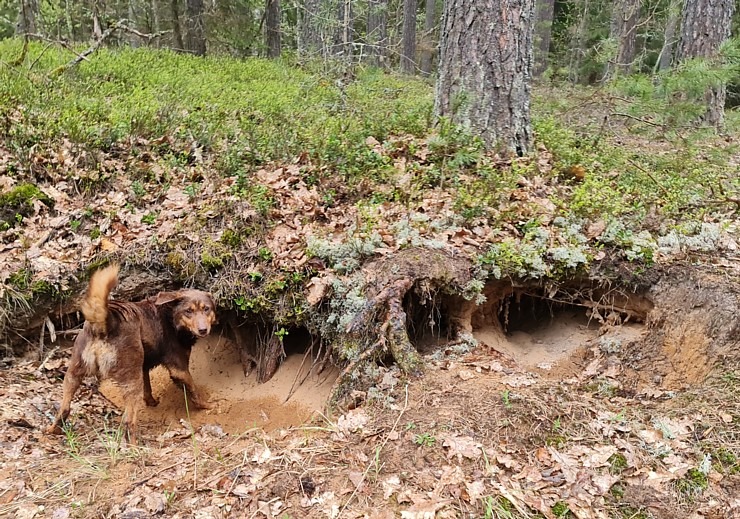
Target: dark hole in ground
(531, 314)
(427, 318)
(540, 332)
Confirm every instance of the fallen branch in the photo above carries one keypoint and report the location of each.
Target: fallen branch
(83, 56)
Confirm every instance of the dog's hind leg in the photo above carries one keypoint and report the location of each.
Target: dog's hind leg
(72, 382)
(182, 377)
(132, 395)
(148, 397)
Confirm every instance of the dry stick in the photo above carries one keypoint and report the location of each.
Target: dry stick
(83, 56)
(297, 374)
(662, 188)
(628, 116)
(377, 452)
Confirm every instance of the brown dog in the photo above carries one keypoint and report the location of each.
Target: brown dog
(122, 341)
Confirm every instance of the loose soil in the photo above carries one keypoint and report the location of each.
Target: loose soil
(241, 402)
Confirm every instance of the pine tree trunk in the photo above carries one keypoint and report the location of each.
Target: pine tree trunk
(272, 28)
(543, 35)
(427, 53)
(485, 70)
(625, 15)
(669, 35)
(97, 32)
(196, 35)
(377, 31)
(408, 49)
(705, 25)
(176, 27)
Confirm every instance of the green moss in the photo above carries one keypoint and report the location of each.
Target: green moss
(560, 509)
(17, 204)
(692, 484)
(617, 463)
(21, 279)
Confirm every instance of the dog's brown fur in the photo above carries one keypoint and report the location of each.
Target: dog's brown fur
(122, 341)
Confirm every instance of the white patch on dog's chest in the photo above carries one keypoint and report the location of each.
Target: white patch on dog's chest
(99, 357)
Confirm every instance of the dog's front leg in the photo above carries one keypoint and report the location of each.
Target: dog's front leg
(148, 397)
(182, 377)
(72, 382)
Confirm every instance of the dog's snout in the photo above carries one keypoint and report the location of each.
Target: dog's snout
(203, 331)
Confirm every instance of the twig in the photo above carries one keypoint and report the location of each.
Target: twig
(83, 56)
(649, 174)
(640, 119)
(377, 452)
(297, 374)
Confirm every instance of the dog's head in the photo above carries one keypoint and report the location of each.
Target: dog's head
(192, 310)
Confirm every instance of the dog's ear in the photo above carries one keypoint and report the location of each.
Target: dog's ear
(164, 298)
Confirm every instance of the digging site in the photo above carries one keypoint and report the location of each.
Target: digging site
(407, 325)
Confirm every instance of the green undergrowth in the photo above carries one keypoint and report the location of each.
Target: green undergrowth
(249, 112)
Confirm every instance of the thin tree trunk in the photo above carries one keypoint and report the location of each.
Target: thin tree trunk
(27, 15)
(132, 39)
(196, 35)
(272, 28)
(543, 35)
(97, 29)
(485, 70)
(343, 37)
(705, 25)
(68, 19)
(377, 31)
(154, 17)
(176, 27)
(408, 49)
(579, 36)
(669, 35)
(625, 15)
(427, 51)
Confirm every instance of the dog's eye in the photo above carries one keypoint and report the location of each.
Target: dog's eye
(207, 309)
(189, 311)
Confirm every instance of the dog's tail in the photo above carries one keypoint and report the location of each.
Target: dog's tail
(95, 305)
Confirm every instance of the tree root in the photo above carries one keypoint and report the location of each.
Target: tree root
(392, 336)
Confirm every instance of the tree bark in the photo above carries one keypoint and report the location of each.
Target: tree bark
(27, 15)
(272, 28)
(176, 27)
(428, 47)
(485, 70)
(623, 30)
(408, 49)
(577, 41)
(196, 35)
(543, 35)
(705, 25)
(377, 31)
(669, 35)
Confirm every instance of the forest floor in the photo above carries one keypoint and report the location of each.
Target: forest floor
(574, 310)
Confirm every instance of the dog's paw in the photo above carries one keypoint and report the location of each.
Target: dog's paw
(203, 404)
(151, 401)
(54, 429)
